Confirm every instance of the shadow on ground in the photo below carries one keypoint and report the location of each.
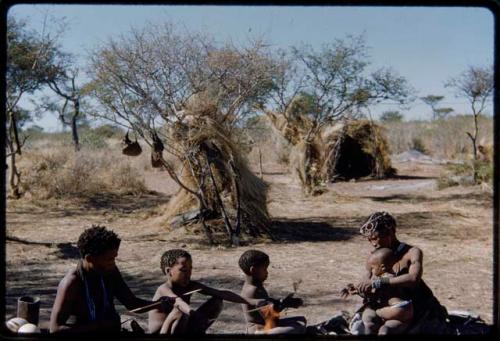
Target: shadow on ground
(476, 199)
(125, 203)
(67, 251)
(314, 229)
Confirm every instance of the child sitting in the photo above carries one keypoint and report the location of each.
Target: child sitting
(181, 318)
(389, 303)
(254, 264)
(86, 294)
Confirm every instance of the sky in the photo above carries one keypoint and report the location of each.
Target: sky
(426, 45)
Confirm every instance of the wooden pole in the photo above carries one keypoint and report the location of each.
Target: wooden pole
(260, 163)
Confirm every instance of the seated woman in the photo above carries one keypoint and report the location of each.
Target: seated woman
(391, 304)
(429, 316)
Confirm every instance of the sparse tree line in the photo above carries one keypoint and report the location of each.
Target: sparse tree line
(190, 96)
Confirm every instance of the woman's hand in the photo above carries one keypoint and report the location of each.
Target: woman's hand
(364, 287)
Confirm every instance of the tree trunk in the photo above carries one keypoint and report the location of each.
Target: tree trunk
(15, 178)
(260, 163)
(476, 133)
(15, 148)
(474, 144)
(236, 187)
(74, 126)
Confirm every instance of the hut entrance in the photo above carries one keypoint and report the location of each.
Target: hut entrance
(352, 161)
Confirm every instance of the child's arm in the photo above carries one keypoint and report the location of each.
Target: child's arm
(125, 295)
(156, 317)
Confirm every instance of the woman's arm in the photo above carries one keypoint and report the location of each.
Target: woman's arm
(415, 270)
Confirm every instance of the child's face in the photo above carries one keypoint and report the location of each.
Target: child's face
(378, 269)
(180, 272)
(259, 272)
(103, 263)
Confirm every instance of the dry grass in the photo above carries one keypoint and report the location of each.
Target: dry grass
(58, 172)
(321, 244)
(206, 134)
(373, 142)
(441, 138)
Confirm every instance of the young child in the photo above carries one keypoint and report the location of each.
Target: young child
(254, 264)
(181, 318)
(390, 304)
(87, 292)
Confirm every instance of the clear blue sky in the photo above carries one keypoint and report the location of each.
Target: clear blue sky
(427, 45)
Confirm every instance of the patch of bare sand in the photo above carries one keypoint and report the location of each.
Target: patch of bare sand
(320, 244)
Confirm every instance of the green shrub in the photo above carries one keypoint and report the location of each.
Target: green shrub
(418, 145)
(446, 181)
(92, 139)
(108, 130)
(463, 174)
(484, 171)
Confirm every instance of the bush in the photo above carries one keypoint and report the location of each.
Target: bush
(418, 145)
(391, 116)
(61, 173)
(484, 171)
(90, 138)
(108, 131)
(463, 174)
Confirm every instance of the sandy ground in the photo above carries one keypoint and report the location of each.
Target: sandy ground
(321, 246)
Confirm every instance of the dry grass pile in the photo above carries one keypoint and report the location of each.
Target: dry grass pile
(306, 162)
(305, 157)
(60, 172)
(208, 140)
(339, 152)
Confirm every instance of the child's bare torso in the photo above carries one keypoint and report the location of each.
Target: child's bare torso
(255, 292)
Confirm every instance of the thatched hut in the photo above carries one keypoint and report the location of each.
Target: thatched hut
(356, 149)
(217, 169)
(343, 151)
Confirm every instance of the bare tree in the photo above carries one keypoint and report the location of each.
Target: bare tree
(32, 59)
(158, 80)
(314, 89)
(475, 85)
(65, 86)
